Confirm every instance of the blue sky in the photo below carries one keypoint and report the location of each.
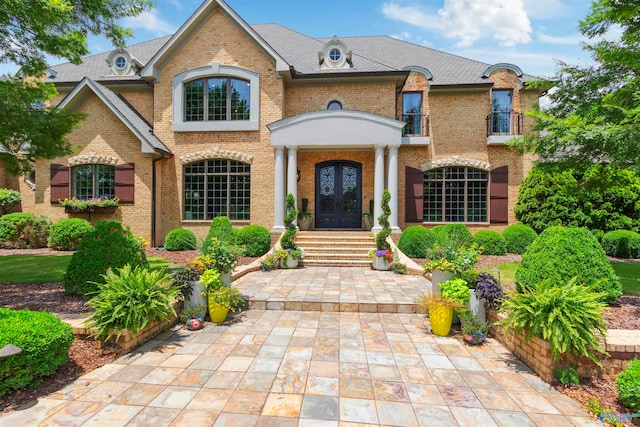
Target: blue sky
(532, 34)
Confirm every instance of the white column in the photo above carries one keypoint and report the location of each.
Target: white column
(392, 186)
(292, 174)
(378, 185)
(279, 196)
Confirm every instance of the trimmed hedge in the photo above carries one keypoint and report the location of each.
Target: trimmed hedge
(254, 239)
(45, 341)
(518, 237)
(110, 245)
(23, 230)
(491, 242)
(560, 253)
(622, 244)
(458, 234)
(221, 229)
(415, 240)
(180, 239)
(66, 234)
(628, 385)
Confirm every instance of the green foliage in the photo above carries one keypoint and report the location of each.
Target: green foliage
(470, 277)
(383, 220)
(89, 205)
(180, 239)
(566, 374)
(45, 341)
(227, 297)
(518, 237)
(23, 230)
(131, 299)
(66, 234)
(455, 259)
(452, 235)
(182, 277)
(629, 275)
(473, 325)
(219, 229)
(560, 253)
(110, 245)
(8, 198)
(622, 244)
(211, 281)
(304, 214)
(491, 242)
(415, 240)
(567, 314)
(220, 256)
(193, 312)
(254, 239)
(33, 268)
(628, 385)
(398, 268)
(289, 235)
(456, 289)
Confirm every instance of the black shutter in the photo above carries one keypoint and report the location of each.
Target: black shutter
(499, 191)
(59, 182)
(414, 190)
(125, 177)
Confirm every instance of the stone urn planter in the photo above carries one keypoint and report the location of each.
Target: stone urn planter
(476, 306)
(437, 277)
(290, 262)
(196, 297)
(380, 263)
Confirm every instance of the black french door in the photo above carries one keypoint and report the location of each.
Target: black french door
(338, 194)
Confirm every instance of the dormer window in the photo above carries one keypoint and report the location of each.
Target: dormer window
(334, 105)
(122, 63)
(335, 55)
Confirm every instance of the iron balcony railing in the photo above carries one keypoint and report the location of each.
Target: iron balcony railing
(504, 123)
(417, 124)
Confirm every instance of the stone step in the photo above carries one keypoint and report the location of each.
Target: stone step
(335, 247)
(337, 257)
(310, 262)
(332, 306)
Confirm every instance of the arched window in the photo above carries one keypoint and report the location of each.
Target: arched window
(217, 98)
(334, 105)
(217, 187)
(455, 194)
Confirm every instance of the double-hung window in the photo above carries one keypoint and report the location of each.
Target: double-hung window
(501, 104)
(93, 181)
(412, 113)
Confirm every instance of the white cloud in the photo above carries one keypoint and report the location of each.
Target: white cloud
(545, 9)
(572, 40)
(151, 22)
(469, 20)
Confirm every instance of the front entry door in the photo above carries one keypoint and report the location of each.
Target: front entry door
(338, 195)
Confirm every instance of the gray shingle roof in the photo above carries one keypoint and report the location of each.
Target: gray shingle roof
(371, 54)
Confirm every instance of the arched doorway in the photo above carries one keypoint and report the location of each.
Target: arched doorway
(338, 198)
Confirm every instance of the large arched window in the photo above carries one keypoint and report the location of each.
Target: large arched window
(215, 188)
(217, 98)
(455, 194)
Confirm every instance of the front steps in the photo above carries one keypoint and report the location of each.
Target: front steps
(336, 248)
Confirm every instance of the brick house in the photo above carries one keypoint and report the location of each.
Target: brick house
(226, 118)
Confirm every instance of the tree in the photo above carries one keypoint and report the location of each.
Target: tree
(595, 112)
(29, 32)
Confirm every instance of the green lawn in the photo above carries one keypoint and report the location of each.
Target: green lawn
(45, 268)
(507, 272)
(629, 276)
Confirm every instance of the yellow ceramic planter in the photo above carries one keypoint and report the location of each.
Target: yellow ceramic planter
(440, 317)
(217, 313)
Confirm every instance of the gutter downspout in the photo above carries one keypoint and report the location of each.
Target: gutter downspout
(153, 198)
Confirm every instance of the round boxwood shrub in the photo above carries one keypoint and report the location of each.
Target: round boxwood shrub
(622, 244)
(110, 245)
(458, 234)
(221, 229)
(44, 340)
(415, 240)
(66, 234)
(628, 384)
(255, 239)
(180, 239)
(560, 253)
(23, 230)
(518, 237)
(491, 242)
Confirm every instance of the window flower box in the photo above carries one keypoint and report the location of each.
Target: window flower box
(74, 205)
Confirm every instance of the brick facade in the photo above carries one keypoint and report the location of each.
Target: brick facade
(458, 117)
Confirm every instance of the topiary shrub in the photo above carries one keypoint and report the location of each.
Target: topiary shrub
(180, 239)
(560, 254)
(110, 245)
(44, 340)
(415, 240)
(452, 234)
(221, 229)
(628, 385)
(23, 230)
(518, 237)
(622, 244)
(491, 242)
(254, 239)
(66, 234)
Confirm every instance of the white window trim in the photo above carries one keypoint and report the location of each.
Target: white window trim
(215, 70)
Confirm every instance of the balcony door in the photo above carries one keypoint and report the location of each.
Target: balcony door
(338, 194)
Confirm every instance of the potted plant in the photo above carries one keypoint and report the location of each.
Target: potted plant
(474, 329)
(445, 262)
(304, 217)
(74, 205)
(220, 298)
(487, 294)
(193, 316)
(383, 256)
(440, 310)
(221, 257)
(270, 262)
(186, 279)
(457, 290)
(367, 217)
(292, 254)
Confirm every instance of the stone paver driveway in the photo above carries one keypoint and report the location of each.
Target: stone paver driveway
(308, 368)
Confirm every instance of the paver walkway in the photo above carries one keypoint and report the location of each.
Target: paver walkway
(308, 368)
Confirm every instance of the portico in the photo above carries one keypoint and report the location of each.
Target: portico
(337, 130)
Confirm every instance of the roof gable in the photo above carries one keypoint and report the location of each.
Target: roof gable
(125, 112)
(208, 7)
